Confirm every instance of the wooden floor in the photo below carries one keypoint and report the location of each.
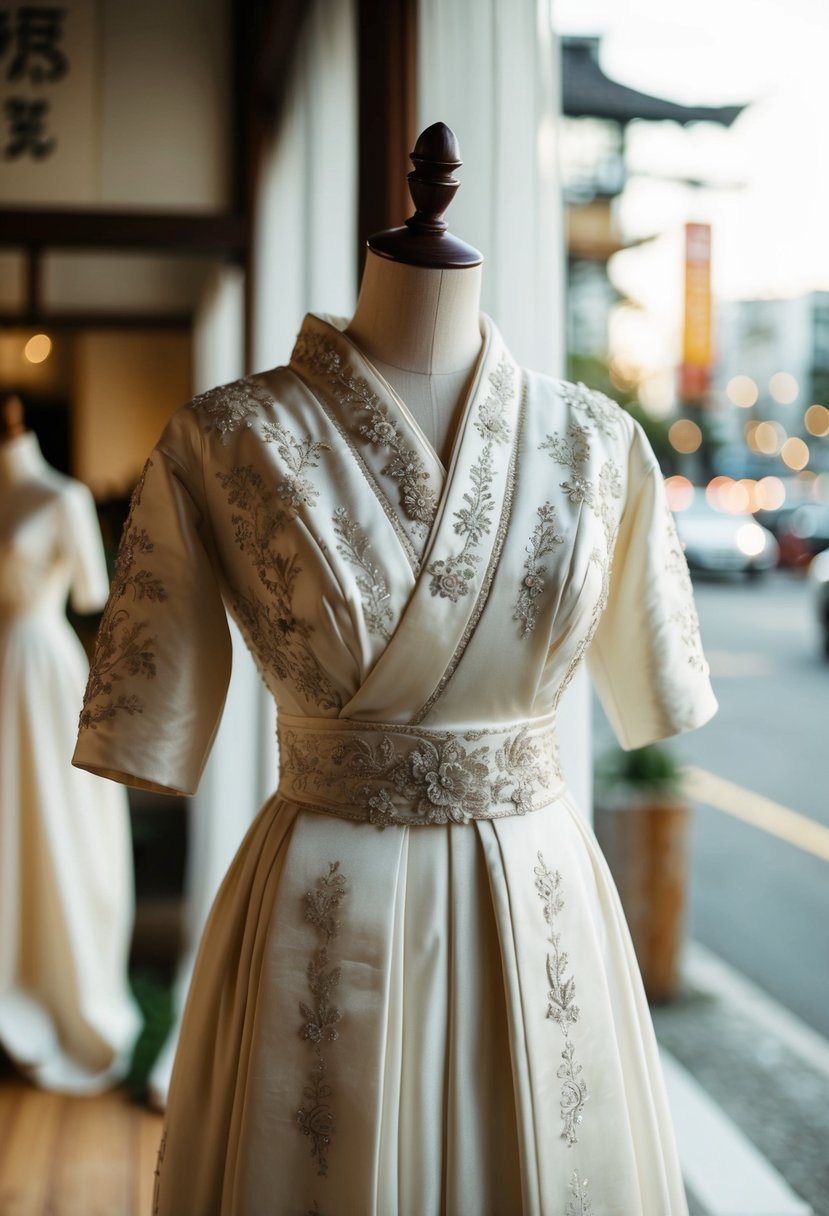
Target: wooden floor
(66, 1156)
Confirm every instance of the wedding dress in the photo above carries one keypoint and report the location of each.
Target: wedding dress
(416, 993)
(67, 1016)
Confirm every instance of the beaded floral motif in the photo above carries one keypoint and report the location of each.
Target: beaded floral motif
(544, 539)
(279, 639)
(604, 413)
(354, 547)
(429, 777)
(685, 616)
(124, 647)
(230, 406)
(579, 1203)
(451, 576)
(321, 1017)
(378, 428)
(561, 1003)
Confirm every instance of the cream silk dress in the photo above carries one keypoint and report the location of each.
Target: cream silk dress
(416, 993)
(66, 888)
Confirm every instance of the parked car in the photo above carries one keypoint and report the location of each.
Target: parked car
(722, 542)
(819, 576)
(802, 532)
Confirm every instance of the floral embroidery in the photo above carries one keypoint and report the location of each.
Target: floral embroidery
(579, 1203)
(417, 497)
(543, 540)
(321, 1018)
(451, 576)
(421, 777)
(162, 1147)
(230, 406)
(561, 1003)
(124, 647)
(354, 547)
(573, 453)
(298, 455)
(604, 413)
(684, 616)
(280, 640)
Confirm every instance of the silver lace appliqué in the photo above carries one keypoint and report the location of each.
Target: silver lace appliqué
(451, 576)
(320, 1016)
(685, 615)
(230, 406)
(579, 1203)
(544, 539)
(354, 546)
(561, 1003)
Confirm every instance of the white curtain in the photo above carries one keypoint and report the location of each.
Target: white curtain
(491, 71)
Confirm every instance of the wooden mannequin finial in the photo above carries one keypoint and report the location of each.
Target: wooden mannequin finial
(423, 240)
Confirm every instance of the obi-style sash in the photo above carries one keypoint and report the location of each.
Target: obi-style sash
(385, 773)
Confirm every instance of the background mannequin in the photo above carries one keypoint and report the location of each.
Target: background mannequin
(66, 890)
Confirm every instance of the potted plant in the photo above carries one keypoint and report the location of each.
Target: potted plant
(643, 824)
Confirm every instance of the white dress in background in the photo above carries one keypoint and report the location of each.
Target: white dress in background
(416, 993)
(67, 1016)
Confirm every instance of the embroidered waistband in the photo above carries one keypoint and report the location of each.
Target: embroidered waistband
(383, 773)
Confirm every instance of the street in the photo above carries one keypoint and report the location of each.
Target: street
(757, 900)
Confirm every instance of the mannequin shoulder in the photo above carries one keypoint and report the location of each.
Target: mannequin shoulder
(573, 404)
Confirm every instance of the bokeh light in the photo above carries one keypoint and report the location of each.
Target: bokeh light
(680, 492)
(784, 388)
(795, 453)
(684, 436)
(816, 420)
(742, 391)
(771, 494)
(38, 348)
(769, 438)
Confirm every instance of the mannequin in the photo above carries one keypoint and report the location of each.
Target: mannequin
(67, 1017)
(417, 317)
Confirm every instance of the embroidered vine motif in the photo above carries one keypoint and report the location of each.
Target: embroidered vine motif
(604, 413)
(354, 547)
(451, 576)
(230, 406)
(543, 540)
(124, 647)
(405, 467)
(279, 639)
(162, 1147)
(579, 1203)
(685, 616)
(321, 1018)
(431, 778)
(298, 455)
(561, 1003)
(573, 453)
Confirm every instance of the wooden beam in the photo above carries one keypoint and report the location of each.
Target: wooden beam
(387, 37)
(73, 228)
(40, 319)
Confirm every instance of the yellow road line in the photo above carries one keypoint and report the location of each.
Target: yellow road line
(799, 830)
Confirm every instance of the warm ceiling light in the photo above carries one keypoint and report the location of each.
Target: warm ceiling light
(38, 348)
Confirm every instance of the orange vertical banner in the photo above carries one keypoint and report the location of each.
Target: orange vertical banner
(696, 339)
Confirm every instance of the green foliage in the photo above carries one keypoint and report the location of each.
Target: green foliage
(651, 770)
(155, 1000)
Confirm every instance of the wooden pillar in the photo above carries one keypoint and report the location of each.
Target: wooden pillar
(387, 48)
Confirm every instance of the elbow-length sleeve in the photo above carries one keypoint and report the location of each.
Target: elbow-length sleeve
(646, 657)
(89, 585)
(161, 666)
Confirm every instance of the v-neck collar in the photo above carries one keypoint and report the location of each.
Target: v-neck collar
(455, 518)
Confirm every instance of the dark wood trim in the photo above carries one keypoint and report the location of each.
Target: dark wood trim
(387, 51)
(38, 319)
(169, 231)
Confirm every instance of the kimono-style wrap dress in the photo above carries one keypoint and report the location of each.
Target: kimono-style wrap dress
(416, 993)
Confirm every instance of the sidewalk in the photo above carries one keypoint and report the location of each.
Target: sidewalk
(749, 1090)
